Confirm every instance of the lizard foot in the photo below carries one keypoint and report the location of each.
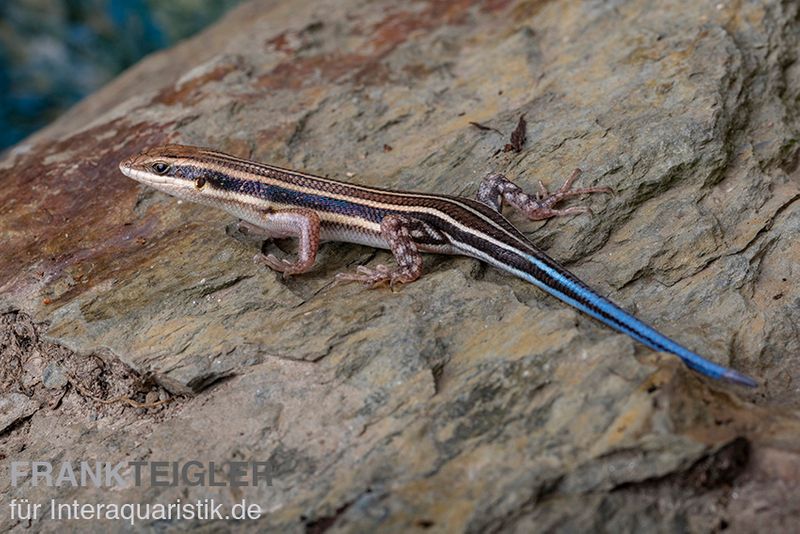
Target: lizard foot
(542, 206)
(286, 267)
(379, 276)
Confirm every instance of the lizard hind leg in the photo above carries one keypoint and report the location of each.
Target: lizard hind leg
(397, 231)
(496, 189)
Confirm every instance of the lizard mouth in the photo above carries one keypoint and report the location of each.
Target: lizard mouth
(131, 169)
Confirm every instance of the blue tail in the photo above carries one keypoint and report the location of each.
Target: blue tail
(546, 274)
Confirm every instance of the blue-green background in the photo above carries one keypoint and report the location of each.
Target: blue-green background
(55, 52)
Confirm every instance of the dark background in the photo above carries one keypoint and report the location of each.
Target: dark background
(55, 52)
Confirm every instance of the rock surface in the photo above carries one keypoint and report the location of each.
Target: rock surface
(467, 400)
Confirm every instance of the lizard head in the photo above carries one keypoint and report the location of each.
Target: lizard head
(174, 169)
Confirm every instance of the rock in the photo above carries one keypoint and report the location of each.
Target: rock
(54, 377)
(13, 408)
(467, 400)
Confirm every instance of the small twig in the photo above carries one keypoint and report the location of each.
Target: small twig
(122, 398)
(484, 127)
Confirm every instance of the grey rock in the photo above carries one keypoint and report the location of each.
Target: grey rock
(54, 376)
(13, 408)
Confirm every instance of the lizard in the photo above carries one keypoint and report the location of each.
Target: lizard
(275, 202)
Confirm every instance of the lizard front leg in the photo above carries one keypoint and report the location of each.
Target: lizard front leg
(297, 222)
(496, 189)
(397, 230)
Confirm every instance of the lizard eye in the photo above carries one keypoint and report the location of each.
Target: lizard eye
(200, 182)
(159, 167)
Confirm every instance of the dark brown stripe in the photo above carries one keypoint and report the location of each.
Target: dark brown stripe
(489, 221)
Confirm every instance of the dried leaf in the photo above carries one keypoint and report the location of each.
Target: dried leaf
(518, 136)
